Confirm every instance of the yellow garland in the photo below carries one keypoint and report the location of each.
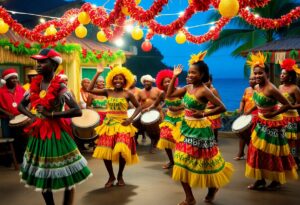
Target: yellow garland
(119, 71)
(197, 57)
(257, 59)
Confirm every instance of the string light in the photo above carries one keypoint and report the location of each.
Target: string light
(119, 42)
(42, 20)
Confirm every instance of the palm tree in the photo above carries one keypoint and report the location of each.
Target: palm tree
(246, 36)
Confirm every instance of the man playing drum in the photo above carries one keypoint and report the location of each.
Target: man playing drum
(147, 97)
(11, 95)
(247, 106)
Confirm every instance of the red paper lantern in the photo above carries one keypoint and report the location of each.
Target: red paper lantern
(146, 46)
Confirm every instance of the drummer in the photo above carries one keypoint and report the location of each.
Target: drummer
(247, 106)
(31, 74)
(170, 127)
(84, 93)
(116, 134)
(147, 96)
(11, 94)
(98, 102)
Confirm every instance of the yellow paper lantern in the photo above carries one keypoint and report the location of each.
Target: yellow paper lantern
(229, 8)
(51, 30)
(81, 31)
(180, 38)
(101, 36)
(4, 27)
(84, 18)
(137, 33)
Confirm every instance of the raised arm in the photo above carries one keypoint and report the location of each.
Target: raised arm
(179, 92)
(91, 88)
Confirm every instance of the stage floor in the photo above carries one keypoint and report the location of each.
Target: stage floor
(149, 184)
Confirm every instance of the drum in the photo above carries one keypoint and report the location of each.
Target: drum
(84, 126)
(130, 113)
(242, 126)
(150, 120)
(19, 121)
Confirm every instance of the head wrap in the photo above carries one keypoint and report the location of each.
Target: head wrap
(119, 71)
(289, 64)
(48, 53)
(7, 74)
(161, 75)
(148, 78)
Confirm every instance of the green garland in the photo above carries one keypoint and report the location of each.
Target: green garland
(85, 56)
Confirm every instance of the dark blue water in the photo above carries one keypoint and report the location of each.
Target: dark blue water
(231, 91)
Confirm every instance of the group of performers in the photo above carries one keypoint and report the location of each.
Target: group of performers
(188, 126)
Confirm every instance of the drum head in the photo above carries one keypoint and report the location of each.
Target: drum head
(150, 117)
(88, 119)
(241, 123)
(130, 113)
(18, 119)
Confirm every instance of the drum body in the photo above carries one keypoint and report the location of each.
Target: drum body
(19, 121)
(150, 121)
(242, 126)
(84, 126)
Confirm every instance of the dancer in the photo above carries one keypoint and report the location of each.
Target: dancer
(291, 92)
(52, 161)
(247, 106)
(215, 120)
(198, 161)
(269, 156)
(116, 134)
(172, 120)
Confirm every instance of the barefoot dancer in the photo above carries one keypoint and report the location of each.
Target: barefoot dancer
(116, 134)
(269, 156)
(172, 121)
(198, 161)
(52, 161)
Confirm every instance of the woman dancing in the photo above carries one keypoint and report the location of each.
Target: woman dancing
(198, 161)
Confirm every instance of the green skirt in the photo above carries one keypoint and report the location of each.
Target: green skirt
(53, 164)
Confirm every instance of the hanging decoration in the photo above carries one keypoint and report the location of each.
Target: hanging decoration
(112, 24)
(180, 37)
(137, 33)
(101, 37)
(146, 46)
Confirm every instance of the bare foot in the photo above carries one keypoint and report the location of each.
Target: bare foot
(110, 182)
(121, 182)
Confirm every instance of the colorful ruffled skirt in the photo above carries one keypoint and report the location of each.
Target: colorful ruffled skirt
(169, 128)
(198, 161)
(53, 163)
(292, 131)
(216, 122)
(269, 155)
(115, 140)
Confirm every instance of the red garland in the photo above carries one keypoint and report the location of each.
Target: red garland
(52, 91)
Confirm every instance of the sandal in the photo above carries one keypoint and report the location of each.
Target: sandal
(240, 158)
(211, 195)
(258, 185)
(185, 202)
(274, 186)
(109, 183)
(168, 165)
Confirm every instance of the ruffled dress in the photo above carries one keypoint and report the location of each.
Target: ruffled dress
(292, 129)
(114, 138)
(197, 158)
(170, 126)
(52, 161)
(269, 155)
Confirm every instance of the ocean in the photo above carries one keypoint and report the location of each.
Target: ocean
(231, 91)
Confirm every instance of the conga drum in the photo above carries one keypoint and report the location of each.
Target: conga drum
(19, 121)
(84, 126)
(150, 120)
(242, 126)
